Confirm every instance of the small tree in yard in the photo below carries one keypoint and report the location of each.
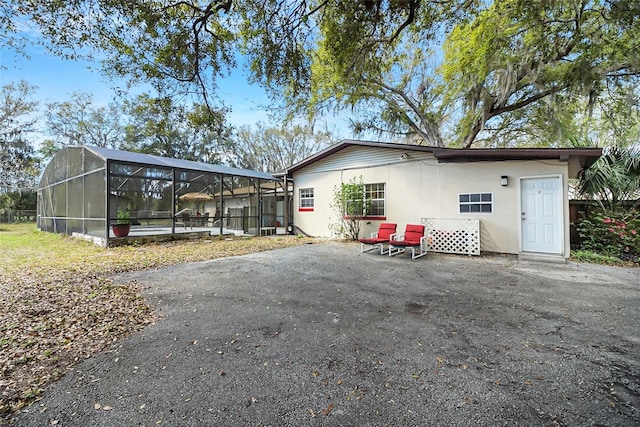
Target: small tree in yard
(350, 205)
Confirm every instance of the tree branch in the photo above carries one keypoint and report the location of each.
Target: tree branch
(432, 136)
(491, 112)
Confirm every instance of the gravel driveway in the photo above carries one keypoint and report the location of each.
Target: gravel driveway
(324, 335)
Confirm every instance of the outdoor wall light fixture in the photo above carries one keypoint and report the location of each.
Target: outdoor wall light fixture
(504, 180)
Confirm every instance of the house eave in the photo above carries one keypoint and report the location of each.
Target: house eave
(445, 155)
(577, 158)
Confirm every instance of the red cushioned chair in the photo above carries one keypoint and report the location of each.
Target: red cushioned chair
(379, 239)
(413, 238)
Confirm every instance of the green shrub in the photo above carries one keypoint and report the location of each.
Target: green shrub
(611, 233)
(122, 217)
(350, 204)
(594, 258)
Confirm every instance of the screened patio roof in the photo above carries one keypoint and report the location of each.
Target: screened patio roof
(149, 159)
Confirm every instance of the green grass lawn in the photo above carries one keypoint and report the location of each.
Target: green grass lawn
(58, 304)
(24, 248)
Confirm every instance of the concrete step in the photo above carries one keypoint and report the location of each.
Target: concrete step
(539, 257)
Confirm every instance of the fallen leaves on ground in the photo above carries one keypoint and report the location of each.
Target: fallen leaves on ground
(328, 410)
(59, 306)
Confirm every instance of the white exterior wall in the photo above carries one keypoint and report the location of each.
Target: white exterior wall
(420, 187)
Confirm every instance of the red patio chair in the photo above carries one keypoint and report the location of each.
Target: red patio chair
(379, 238)
(413, 238)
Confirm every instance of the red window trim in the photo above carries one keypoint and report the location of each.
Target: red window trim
(305, 209)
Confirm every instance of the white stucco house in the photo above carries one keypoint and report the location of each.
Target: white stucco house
(518, 197)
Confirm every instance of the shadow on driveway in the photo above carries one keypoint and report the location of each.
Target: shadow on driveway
(324, 335)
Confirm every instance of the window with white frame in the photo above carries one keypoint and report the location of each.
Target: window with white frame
(370, 201)
(475, 202)
(374, 193)
(306, 198)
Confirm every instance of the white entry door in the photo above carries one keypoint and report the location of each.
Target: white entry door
(541, 215)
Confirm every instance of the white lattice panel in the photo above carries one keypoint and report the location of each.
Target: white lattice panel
(453, 235)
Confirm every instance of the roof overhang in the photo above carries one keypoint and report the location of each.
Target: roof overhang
(577, 158)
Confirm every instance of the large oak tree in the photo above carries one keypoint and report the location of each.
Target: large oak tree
(439, 71)
(271, 149)
(78, 121)
(163, 127)
(18, 160)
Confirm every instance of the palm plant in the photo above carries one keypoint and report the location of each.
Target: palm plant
(613, 178)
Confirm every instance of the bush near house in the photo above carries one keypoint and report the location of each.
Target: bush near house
(611, 233)
(613, 182)
(351, 205)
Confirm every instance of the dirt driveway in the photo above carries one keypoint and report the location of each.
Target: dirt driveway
(324, 335)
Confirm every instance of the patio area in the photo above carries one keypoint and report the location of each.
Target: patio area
(151, 230)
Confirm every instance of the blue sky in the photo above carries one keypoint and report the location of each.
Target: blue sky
(57, 79)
